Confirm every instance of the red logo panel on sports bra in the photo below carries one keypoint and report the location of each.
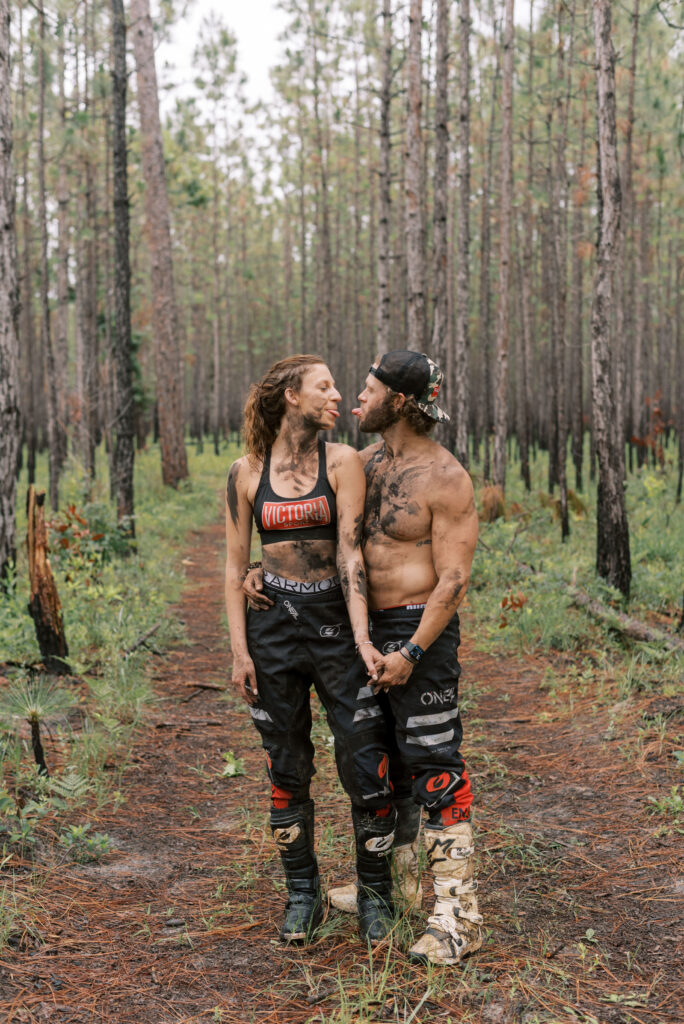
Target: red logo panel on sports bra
(293, 515)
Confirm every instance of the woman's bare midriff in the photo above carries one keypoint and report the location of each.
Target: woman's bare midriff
(303, 560)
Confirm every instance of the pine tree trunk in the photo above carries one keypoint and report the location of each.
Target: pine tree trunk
(158, 223)
(9, 315)
(679, 370)
(86, 284)
(501, 365)
(626, 334)
(287, 277)
(301, 166)
(27, 328)
(525, 388)
(461, 362)
(383, 319)
(324, 298)
(612, 541)
(559, 195)
(63, 246)
(440, 306)
(415, 269)
(485, 305)
(123, 413)
(216, 315)
(54, 446)
(577, 330)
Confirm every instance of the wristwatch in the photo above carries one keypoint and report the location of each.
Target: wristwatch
(414, 652)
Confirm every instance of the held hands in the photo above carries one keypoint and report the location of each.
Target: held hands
(252, 588)
(395, 670)
(244, 679)
(372, 659)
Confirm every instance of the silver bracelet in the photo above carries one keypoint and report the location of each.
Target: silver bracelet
(362, 642)
(405, 654)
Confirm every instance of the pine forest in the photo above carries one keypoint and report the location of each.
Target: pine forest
(497, 184)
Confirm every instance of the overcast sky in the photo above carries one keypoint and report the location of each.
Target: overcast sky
(256, 23)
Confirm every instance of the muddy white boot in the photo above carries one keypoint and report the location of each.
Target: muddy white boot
(454, 926)
(406, 871)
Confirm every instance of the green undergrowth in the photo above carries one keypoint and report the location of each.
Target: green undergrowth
(115, 596)
(523, 577)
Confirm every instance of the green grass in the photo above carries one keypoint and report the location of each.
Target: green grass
(519, 591)
(111, 596)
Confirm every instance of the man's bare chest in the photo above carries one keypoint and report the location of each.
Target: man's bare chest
(397, 504)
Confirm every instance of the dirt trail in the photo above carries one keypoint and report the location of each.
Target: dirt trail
(582, 896)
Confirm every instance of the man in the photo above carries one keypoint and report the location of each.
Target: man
(420, 532)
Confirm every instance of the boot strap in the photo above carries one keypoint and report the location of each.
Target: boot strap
(454, 887)
(451, 910)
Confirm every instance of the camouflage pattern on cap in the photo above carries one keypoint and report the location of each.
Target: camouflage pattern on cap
(426, 401)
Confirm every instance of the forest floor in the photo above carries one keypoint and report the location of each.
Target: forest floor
(581, 878)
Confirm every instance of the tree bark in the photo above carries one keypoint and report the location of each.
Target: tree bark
(27, 330)
(440, 306)
(54, 446)
(9, 315)
(383, 318)
(525, 389)
(461, 362)
(625, 326)
(612, 540)
(577, 323)
(501, 365)
(415, 262)
(164, 313)
(123, 419)
(63, 246)
(485, 306)
(324, 325)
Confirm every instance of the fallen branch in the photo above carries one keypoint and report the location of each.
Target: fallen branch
(142, 639)
(623, 623)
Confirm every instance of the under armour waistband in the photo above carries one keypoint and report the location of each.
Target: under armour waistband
(301, 586)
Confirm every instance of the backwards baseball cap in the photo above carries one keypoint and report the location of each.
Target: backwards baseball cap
(413, 373)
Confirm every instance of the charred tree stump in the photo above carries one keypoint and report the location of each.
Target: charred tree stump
(44, 605)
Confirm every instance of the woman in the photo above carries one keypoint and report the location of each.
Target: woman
(306, 499)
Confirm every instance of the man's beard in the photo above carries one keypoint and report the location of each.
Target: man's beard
(380, 419)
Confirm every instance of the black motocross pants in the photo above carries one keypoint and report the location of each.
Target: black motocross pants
(306, 640)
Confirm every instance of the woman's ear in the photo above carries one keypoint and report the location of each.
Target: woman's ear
(291, 396)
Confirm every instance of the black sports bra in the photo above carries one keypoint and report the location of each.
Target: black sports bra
(279, 519)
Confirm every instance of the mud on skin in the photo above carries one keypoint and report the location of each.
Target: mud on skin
(231, 493)
(301, 559)
(393, 495)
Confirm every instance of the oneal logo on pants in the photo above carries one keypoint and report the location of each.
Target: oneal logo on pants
(295, 515)
(330, 630)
